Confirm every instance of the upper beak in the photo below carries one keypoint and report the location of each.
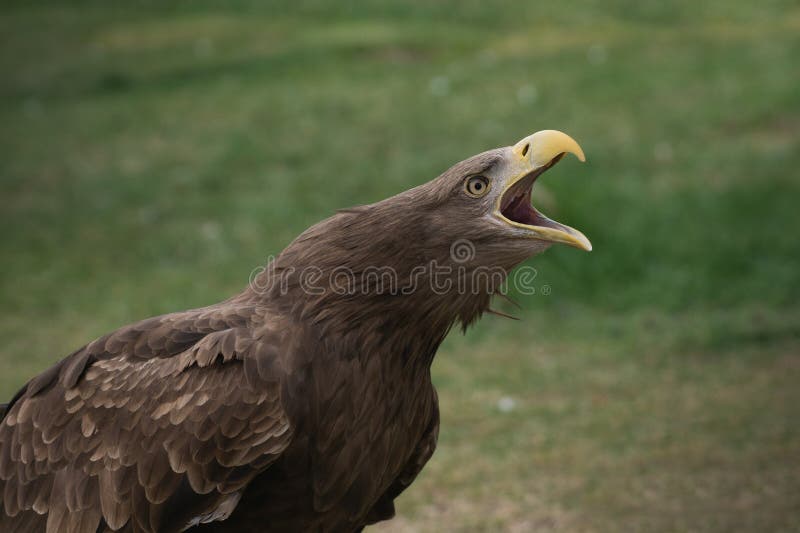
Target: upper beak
(543, 146)
(530, 157)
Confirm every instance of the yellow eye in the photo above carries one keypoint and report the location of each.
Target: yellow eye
(476, 186)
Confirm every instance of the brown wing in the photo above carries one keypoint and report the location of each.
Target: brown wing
(154, 427)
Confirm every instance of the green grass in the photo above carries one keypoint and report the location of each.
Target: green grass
(152, 156)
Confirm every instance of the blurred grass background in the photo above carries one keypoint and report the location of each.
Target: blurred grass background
(153, 154)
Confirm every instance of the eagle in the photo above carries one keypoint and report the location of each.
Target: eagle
(305, 402)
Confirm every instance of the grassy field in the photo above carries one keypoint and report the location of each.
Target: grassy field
(152, 156)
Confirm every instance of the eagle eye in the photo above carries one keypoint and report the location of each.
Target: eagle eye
(476, 186)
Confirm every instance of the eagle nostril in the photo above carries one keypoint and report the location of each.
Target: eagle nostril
(525, 149)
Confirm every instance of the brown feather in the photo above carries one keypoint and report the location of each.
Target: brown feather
(280, 409)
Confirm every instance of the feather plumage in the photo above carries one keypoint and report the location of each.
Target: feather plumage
(283, 408)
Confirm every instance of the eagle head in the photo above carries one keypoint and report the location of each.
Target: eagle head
(486, 200)
(438, 251)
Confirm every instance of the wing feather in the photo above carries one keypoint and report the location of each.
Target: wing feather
(158, 411)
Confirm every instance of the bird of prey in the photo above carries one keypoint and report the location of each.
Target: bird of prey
(305, 402)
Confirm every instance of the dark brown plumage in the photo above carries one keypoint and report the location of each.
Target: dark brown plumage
(295, 405)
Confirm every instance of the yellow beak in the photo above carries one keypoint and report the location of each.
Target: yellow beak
(543, 146)
(535, 154)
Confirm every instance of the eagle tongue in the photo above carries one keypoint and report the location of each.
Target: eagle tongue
(520, 210)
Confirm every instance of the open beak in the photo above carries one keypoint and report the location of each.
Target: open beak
(531, 157)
